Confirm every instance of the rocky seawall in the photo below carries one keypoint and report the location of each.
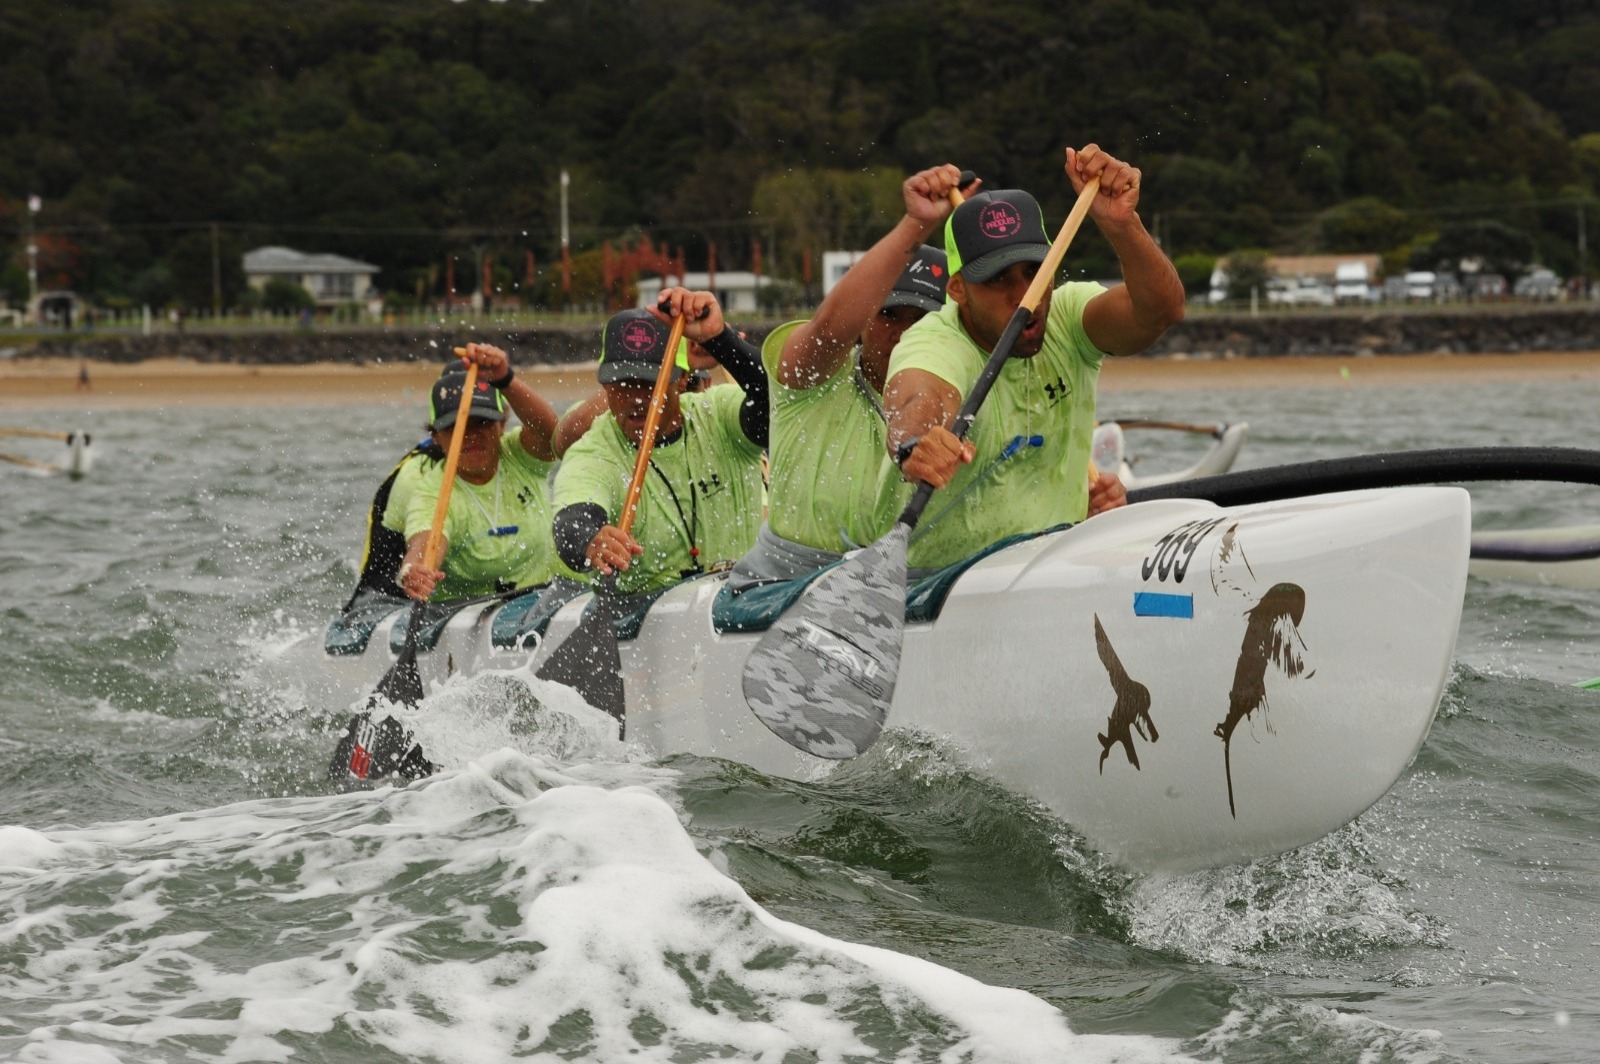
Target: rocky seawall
(1202, 335)
(1458, 331)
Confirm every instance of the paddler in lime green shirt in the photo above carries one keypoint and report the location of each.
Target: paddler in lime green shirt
(833, 487)
(700, 503)
(497, 526)
(1024, 465)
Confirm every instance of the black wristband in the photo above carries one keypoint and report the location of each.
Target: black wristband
(907, 445)
(504, 382)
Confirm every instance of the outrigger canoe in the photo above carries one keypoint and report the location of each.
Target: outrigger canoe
(1110, 450)
(79, 457)
(1186, 683)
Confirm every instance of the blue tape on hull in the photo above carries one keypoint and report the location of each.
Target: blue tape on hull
(1158, 604)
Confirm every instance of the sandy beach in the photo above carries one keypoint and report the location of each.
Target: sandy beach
(52, 384)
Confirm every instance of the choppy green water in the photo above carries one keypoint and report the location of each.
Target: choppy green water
(179, 884)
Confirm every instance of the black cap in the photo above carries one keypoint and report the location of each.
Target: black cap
(487, 402)
(632, 346)
(921, 284)
(992, 230)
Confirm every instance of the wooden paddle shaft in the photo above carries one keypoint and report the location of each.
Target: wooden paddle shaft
(652, 418)
(452, 458)
(1052, 259)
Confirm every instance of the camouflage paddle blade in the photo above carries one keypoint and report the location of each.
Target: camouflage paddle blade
(823, 676)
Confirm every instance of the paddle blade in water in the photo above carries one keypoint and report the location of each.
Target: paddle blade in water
(589, 662)
(371, 751)
(823, 676)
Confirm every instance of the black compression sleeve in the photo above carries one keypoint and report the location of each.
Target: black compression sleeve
(743, 362)
(574, 529)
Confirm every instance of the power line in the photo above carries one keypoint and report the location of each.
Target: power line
(471, 230)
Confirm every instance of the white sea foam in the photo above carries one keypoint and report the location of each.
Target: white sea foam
(510, 905)
(24, 850)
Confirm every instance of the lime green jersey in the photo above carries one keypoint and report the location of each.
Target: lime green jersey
(1047, 400)
(701, 503)
(404, 486)
(833, 485)
(499, 532)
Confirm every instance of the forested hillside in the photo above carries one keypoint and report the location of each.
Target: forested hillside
(404, 131)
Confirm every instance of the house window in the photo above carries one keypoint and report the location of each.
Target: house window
(336, 286)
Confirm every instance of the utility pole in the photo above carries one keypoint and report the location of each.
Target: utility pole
(566, 250)
(216, 274)
(34, 204)
(1583, 253)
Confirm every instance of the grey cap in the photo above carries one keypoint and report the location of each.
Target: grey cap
(921, 283)
(487, 402)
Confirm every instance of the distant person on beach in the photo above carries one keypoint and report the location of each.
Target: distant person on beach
(701, 500)
(833, 486)
(83, 376)
(497, 526)
(1024, 465)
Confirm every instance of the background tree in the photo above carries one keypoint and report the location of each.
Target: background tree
(386, 130)
(1248, 273)
(1487, 247)
(282, 296)
(1367, 224)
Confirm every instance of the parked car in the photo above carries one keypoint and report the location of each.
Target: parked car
(1219, 287)
(1541, 284)
(1352, 283)
(1311, 292)
(1419, 286)
(1395, 289)
(1447, 288)
(1486, 286)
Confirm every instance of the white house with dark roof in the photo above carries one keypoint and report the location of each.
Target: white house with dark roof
(330, 279)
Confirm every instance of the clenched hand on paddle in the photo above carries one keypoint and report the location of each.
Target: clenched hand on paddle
(824, 674)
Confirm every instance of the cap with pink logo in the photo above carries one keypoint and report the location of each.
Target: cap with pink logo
(632, 346)
(993, 230)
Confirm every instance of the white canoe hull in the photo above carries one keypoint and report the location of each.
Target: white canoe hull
(1034, 669)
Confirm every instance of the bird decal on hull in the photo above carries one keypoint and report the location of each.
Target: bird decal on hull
(1132, 709)
(1271, 638)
